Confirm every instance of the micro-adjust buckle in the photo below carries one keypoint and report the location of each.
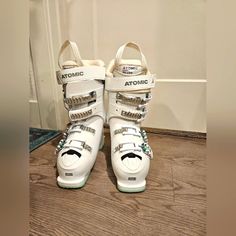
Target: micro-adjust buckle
(142, 108)
(127, 147)
(79, 100)
(131, 100)
(147, 150)
(127, 131)
(148, 97)
(145, 146)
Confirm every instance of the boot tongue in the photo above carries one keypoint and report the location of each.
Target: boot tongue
(128, 70)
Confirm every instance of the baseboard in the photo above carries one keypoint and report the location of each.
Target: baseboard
(179, 133)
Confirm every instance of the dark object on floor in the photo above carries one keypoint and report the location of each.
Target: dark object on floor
(40, 136)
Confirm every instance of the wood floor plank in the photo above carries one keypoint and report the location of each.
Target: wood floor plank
(174, 202)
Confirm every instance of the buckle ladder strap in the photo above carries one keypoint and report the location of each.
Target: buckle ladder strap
(123, 147)
(129, 146)
(80, 99)
(65, 143)
(125, 113)
(131, 83)
(74, 50)
(130, 45)
(133, 100)
(78, 128)
(78, 144)
(128, 131)
(80, 73)
(89, 111)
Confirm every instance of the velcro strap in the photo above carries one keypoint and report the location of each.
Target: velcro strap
(80, 73)
(130, 83)
(84, 113)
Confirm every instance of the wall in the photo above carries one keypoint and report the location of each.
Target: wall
(46, 101)
(170, 32)
(172, 36)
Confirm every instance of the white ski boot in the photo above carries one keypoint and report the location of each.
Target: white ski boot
(129, 85)
(83, 97)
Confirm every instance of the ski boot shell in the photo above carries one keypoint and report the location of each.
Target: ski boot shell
(83, 87)
(129, 85)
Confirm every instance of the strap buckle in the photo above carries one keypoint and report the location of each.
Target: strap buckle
(63, 144)
(131, 100)
(81, 127)
(129, 146)
(136, 116)
(79, 100)
(127, 131)
(82, 146)
(80, 115)
(147, 150)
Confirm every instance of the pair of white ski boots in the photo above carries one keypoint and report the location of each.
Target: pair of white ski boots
(129, 84)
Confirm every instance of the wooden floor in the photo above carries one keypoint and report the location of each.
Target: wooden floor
(174, 202)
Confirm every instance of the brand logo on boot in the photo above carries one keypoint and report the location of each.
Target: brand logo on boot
(130, 70)
(81, 73)
(136, 82)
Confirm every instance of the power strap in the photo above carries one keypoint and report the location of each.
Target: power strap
(130, 83)
(77, 74)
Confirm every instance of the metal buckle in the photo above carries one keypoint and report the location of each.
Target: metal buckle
(147, 150)
(143, 108)
(131, 115)
(145, 146)
(144, 135)
(88, 129)
(82, 144)
(120, 147)
(81, 127)
(126, 131)
(148, 97)
(87, 147)
(119, 131)
(81, 115)
(60, 144)
(79, 100)
(134, 116)
(130, 100)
